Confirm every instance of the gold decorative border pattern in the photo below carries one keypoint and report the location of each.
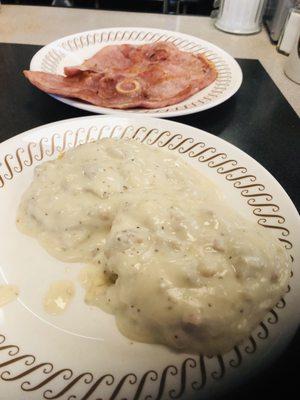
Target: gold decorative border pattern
(262, 206)
(194, 373)
(52, 59)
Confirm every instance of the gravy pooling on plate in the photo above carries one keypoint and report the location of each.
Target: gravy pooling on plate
(8, 293)
(58, 297)
(164, 252)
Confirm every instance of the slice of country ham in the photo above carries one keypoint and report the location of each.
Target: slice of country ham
(110, 57)
(82, 86)
(126, 76)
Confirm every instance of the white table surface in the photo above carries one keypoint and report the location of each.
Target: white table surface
(41, 25)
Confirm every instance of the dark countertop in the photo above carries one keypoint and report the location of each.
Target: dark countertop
(257, 119)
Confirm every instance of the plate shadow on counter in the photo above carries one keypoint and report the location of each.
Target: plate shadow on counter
(257, 119)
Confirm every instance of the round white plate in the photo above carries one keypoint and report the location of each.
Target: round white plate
(74, 49)
(81, 354)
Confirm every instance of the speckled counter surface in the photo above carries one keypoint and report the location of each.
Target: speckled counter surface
(41, 25)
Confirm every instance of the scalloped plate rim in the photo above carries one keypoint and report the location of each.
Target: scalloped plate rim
(175, 126)
(34, 65)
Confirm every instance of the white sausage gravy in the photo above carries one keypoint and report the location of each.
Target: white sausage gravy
(164, 252)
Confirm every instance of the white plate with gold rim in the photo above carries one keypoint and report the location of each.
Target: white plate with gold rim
(74, 49)
(81, 354)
